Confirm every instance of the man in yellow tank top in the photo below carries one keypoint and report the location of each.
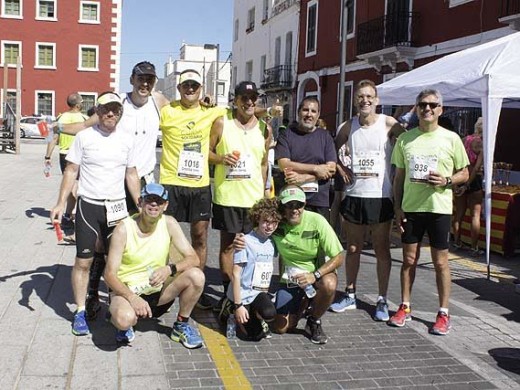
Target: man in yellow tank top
(239, 145)
(150, 263)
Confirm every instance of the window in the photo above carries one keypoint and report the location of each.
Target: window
(351, 17)
(45, 55)
(312, 28)
(11, 100)
(221, 86)
(249, 71)
(88, 58)
(46, 9)
(277, 50)
(263, 62)
(288, 48)
(250, 20)
(45, 102)
(12, 9)
(10, 51)
(265, 9)
(235, 32)
(89, 12)
(89, 100)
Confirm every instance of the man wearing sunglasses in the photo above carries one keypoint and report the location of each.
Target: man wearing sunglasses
(106, 158)
(368, 201)
(429, 160)
(239, 143)
(304, 240)
(150, 263)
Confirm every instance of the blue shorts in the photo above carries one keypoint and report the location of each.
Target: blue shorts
(289, 299)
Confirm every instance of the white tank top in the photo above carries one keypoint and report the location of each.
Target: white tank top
(371, 151)
(142, 123)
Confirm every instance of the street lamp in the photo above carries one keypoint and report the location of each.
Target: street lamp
(344, 27)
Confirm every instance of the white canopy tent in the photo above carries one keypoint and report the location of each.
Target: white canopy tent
(487, 75)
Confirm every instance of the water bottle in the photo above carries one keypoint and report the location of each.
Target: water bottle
(47, 171)
(149, 270)
(310, 291)
(231, 328)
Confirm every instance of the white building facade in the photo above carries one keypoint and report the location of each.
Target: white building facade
(265, 48)
(204, 59)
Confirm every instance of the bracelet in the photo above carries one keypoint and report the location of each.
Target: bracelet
(237, 305)
(47, 158)
(173, 269)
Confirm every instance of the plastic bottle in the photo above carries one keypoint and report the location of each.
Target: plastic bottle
(149, 270)
(59, 232)
(231, 328)
(47, 170)
(310, 291)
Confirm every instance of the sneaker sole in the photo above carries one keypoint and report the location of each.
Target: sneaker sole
(351, 307)
(381, 319)
(184, 343)
(437, 332)
(399, 325)
(75, 333)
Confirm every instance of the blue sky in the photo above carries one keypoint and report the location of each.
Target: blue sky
(155, 29)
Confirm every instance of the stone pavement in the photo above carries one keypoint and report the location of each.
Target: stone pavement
(38, 351)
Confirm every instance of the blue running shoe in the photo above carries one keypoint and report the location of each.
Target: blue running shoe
(381, 313)
(345, 303)
(79, 325)
(125, 336)
(183, 333)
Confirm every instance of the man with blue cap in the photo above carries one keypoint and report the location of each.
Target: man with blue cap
(150, 263)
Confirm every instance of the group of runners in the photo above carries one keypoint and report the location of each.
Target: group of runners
(150, 262)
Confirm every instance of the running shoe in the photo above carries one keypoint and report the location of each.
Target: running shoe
(315, 331)
(204, 302)
(265, 330)
(400, 317)
(185, 334)
(226, 308)
(345, 303)
(442, 324)
(79, 324)
(381, 313)
(92, 306)
(476, 252)
(125, 336)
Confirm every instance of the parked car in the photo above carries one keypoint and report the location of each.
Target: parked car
(29, 127)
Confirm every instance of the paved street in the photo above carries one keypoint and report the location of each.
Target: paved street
(482, 350)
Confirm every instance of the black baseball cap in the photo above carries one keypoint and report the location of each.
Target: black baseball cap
(144, 68)
(246, 88)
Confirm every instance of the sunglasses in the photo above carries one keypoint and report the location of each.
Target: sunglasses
(294, 205)
(190, 84)
(154, 199)
(423, 105)
(246, 98)
(114, 108)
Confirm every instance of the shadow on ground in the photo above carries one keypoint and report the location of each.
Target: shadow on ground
(507, 358)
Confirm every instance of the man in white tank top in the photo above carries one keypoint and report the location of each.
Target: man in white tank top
(368, 201)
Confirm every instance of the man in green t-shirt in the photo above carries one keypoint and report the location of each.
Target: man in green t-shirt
(305, 240)
(429, 160)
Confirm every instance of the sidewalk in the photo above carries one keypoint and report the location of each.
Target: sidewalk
(38, 350)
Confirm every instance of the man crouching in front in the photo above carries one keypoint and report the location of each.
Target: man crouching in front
(150, 263)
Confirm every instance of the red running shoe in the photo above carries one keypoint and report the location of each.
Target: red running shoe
(400, 317)
(442, 324)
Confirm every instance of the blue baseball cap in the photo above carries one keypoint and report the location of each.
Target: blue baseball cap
(154, 189)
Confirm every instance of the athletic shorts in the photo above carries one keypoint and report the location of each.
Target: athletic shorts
(367, 211)
(324, 211)
(90, 223)
(231, 219)
(436, 225)
(63, 164)
(289, 299)
(475, 185)
(188, 204)
(153, 301)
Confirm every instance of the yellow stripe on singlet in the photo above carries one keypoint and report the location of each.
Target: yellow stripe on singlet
(228, 367)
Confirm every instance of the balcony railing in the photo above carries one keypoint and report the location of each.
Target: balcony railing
(398, 29)
(278, 77)
(282, 6)
(509, 7)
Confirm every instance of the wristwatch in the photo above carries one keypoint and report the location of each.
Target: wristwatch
(317, 275)
(448, 182)
(173, 269)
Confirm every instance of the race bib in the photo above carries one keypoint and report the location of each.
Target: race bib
(242, 169)
(367, 164)
(144, 288)
(311, 186)
(421, 166)
(116, 211)
(191, 165)
(262, 275)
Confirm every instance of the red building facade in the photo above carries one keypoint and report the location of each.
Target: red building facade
(65, 46)
(386, 38)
